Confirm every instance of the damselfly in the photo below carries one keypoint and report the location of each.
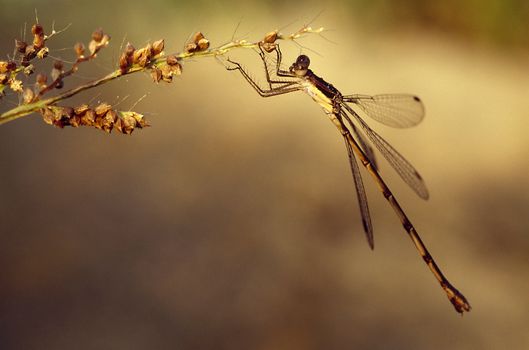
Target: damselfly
(396, 110)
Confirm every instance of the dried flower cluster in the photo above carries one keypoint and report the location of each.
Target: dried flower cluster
(197, 43)
(34, 94)
(102, 117)
(9, 70)
(147, 57)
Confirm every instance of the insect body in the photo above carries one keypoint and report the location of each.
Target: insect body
(396, 110)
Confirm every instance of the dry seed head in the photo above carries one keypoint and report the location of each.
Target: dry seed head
(150, 51)
(55, 74)
(57, 64)
(271, 37)
(20, 46)
(172, 60)
(88, 118)
(30, 52)
(92, 47)
(196, 37)
(99, 40)
(97, 35)
(16, 85)
(167, 73)
(6, 66)
(107, 122)
(29, 69)
(28, 95)
(156, 74)
(37, 29)
(105, 41)
(80, 110)
(68, 112)
(75, 121)
(43, 52)
(129, 49)
(198, 43)
(102, 109)
(140, 120)
(176, 69)
(190, 47)
(157, 47)
(79, 50)
(126, 124)
(124, 63)
(203, 44)
(142, 56)
(38, 41)
(47, 115)
(41, 79)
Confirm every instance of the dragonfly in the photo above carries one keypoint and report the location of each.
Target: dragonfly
(344, 111)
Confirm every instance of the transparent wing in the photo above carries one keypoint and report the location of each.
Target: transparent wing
(406, 171)
(396, 110)
(368, 150)
(361, 195)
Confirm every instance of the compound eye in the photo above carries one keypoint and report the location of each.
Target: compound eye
(303, 62)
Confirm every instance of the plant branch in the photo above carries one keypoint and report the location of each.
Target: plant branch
(198, 48)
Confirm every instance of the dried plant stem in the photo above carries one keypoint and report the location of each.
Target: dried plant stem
(36, 106)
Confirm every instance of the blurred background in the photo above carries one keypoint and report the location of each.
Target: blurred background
(232, 222)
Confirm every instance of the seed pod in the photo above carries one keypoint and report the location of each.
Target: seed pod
(167, 73)
(157, 47)
(41, 79)
(30, 53)
(92, 47)
(80, 110)
(88, 118)
(129, 49)
(156, 74)
(126, 124)
(142, 56)
(57, 64)
(123, 63)
(43, 52)
(191, 47)
(176, 69)
(47, 115)
(79, 49)
(55, 74)
(75, 121)
(29, 69)
(108, 120)
(196, 37)
(270, 38)
(20, 46)
(203, 44)
(6, 66)
(16, 85)
(28, 95)
(172, 60)
(37, 29)
(102, 109)
(38, 41)
(97, 35)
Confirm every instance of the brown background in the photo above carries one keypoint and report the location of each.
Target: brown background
(232, 222)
